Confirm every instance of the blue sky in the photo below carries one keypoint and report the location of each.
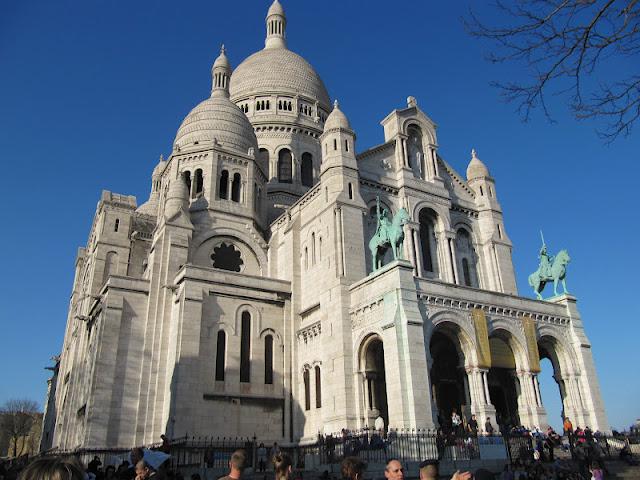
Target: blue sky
(91, 93)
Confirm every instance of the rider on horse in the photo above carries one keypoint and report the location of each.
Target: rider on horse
(545, 262)
(382, 228)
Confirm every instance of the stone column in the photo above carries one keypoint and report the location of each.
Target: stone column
(444, 267)
(451, 236)
(479, 396)
(418, 251)
(410, 248)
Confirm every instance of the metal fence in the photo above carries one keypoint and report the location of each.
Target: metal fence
(368, 445)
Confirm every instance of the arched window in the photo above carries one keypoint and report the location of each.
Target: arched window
(263, 159)
(221, 351)
(320, 249)
(307, 389)
(116, 225)
(110, 266)
(306, 258)
(235, 188)
(350, 191)
(313, 249)
(318, 387)
(268, 360)
(346, 145)
(467, 258)
(285, 166)
(428, 244)
(307, 169)
(335, 144)
(187, 179)
(199, 182)
(245, 348)
(415, 152)
(481, 191)
(223, 186)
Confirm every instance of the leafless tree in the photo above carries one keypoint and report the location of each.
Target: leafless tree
(567, 46)
(16, 420)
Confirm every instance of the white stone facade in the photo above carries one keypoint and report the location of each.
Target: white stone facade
(239, 298)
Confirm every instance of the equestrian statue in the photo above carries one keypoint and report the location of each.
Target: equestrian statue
(389, 233)
(550, 269)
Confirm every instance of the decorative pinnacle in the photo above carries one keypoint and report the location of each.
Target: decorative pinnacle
(335, 103)
(222, 49)
(473, 153)
(161, 158)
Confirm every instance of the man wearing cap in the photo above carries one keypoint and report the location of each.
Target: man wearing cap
(429, 471)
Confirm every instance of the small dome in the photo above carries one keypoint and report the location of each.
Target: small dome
(337, 119)
(222, 61)
(275, 9)
(159, 168)
(217, 119)
(476, 168)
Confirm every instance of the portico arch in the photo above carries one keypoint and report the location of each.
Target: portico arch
(373, 378)
(505, 389)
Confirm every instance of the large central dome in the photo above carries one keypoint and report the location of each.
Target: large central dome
(276, 69)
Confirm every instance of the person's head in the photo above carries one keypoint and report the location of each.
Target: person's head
(352, 468)
(52, 468)
(473, 416)
(428, 470)
(282, 466)
(238, 461)
(143, 469)
(136, 455)
(195, 476)
(110, 471)
(394, 470)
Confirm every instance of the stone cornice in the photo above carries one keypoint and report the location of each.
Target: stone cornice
(491, 309)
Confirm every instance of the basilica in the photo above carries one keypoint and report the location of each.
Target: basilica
(243, 297)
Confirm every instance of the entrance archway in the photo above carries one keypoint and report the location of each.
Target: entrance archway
(372, 371)
(551, 382)
(447, 378)
(503, 385)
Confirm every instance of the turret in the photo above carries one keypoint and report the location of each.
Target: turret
(338, 141)
(494, 240)
(276, 25)
(221, 73)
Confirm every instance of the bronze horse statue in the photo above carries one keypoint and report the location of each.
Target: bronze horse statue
(557, 270)
(388, 235)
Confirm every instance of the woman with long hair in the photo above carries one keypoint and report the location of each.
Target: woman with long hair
(282, 466)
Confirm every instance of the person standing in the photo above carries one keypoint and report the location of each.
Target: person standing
(456, 422)
(472, 426)
(262, 457)
(488, 428)
(237, 465)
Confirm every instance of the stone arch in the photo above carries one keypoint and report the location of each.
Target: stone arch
(506, 331)
(457, 328)
(203, 243)
(441, 212)
(256, 319)
(372, 373)
(551, 336)
(428, 132)
(228, 328)
(272, 332)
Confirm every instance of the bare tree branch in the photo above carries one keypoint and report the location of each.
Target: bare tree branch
(563, 44)
(16, 419)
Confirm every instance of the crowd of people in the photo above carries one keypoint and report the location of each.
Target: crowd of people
(532, 459)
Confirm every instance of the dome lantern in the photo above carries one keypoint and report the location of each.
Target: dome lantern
(276, 25)
(221, 73)
(476, 168)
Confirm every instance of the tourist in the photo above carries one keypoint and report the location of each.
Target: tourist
(352, 468)
(110, 473)
(568, 426)
(237, 464)
(144, 471)
(93, 465)
(394, 470)
(507, 473)
(262, 457)
(488, 428)
(472, 426)
(596, 471)
(429, 471)
(482, 474)
(275, 450)
(456, 422)
(52, 468)
(166, 444)
(282, 466)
